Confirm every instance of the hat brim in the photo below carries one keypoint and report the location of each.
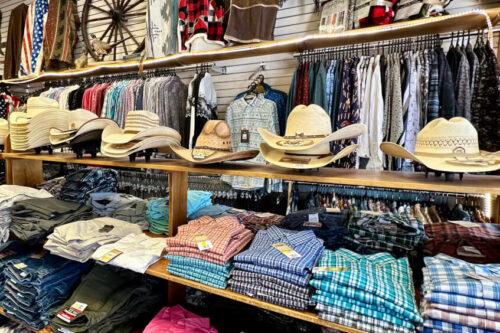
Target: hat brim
(275, 156)
(437, 163)
(217, 157)
(277, 142)
(162, 143)
(116, 135)
(58, 136)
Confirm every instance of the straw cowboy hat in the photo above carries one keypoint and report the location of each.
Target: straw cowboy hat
(449, 146)
(4, 130)
(138, 125)
(306, 144)
(213, 145)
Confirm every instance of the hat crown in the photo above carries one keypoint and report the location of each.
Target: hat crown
(441, 136)
(139, 120)
(308, 120)
(215, 134)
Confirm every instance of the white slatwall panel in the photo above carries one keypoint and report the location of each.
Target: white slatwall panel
(296, 18)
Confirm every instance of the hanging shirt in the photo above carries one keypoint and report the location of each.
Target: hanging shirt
(14, 41)
(376, 114)
(161, 28)
(250, 115)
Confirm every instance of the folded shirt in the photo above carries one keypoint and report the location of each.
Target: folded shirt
(214, 211)
(138, 252)
(255, 221)
(134, 213)
(198, 200)
(226, 234)
(157, 215)
(178, 319)
(188, 262)
(78, 240)
(105, 203)
(198, 275)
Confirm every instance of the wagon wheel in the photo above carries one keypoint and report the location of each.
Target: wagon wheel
(111, 22)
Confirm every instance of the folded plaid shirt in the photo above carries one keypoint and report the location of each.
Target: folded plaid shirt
(198, 275)
(436, 326)
(268, 281)
(446, 274)
(262, 253)
(460, 300)
(259, 221)
(335, 311)
(480, 313)
(370, 325)
(360, 308)
(379, 274)
(265, 295)
(223, 270)
(461, 319)
(227, 235)
(300, 280)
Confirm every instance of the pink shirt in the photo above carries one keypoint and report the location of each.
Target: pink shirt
(176, 319)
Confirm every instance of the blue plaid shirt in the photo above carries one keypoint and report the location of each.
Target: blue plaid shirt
(366, 324)
(446, 274)
(262, 254)
(436, 326)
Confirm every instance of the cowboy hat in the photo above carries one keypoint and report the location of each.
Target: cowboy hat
(4, 130)
(449, 146)
(75, 119)
(213, 145)
(306, 144)
(162, 143)
(307, 127)
(98, 124)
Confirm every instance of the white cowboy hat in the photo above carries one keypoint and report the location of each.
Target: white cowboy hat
(162, 143)
(213, 145)
(449, 146)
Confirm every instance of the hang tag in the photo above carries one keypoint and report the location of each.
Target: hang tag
(110, 255)
(203, 242)
(70, 314)
(314, 217)
(6, 254)
(21, 265)
(286, 250)
(245, 136)
(313, 224)
(329, 269)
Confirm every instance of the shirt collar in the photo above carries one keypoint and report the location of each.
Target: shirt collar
(293, 238)
(382, 258)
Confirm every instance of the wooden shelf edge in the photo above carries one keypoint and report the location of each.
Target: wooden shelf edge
(471, 184)
(159, 270)
(46, 329)
(470, 20)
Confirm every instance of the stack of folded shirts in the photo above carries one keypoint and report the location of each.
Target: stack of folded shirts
(135, 252)
(10, 194)
(198, 200)
(37, 283)
(255, 221)
(473, 242)
(277, 267)
(4, 130)
(398, 234)
(80, 184)
(31, 129)
(330, 227)
(53, 186)
(114, 299)
(215, 211)
(372, 293)
(179, 320)
(34, 219)
(157, 215)
(142, 132)
(78, 240)
(203, 248)
(105, 203)
(133, 213)
(459, 296)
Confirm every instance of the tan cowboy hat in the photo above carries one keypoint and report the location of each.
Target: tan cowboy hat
(161, 143)
(76, 119)
(307, 127)
(449, 146)
(4, 130)
(213, 145)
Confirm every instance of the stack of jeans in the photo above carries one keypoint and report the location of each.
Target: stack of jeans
(11, 250)
(37, 283)
(157, 215)
(459, 296)
(80, 184)
(398, 234)
(202, 249)
(10, 194)
(373, 293)
(33, 219)
(277, 267)
(115, 298)
(12, 327)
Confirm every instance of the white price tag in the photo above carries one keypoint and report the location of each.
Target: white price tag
(314, 217)
(203, 242)
(21, 265)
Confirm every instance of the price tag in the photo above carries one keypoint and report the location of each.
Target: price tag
(286, 250)
(245, 136)
(107, 257)
(21, 265)
(203, 242)
(329, 269)
(70, 314)
(314, 217)
(312, 224)
(264, 215)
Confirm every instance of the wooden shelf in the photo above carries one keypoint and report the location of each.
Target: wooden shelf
(46, 329)
(471, 184)
(159, 270)
(465, 21)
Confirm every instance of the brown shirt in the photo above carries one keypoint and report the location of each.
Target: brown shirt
(14, 41)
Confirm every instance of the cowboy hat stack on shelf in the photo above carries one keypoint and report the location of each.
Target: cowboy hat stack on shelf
(306, 144)
(31, 129)
(213, 145)
(142, 132)
(447, 146)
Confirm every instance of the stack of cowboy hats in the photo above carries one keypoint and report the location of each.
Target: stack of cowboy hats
(31, 129)
(82, 126)
(142, 132)
(213, 145)
(306, 144)
(448, 146)
(4, 130)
